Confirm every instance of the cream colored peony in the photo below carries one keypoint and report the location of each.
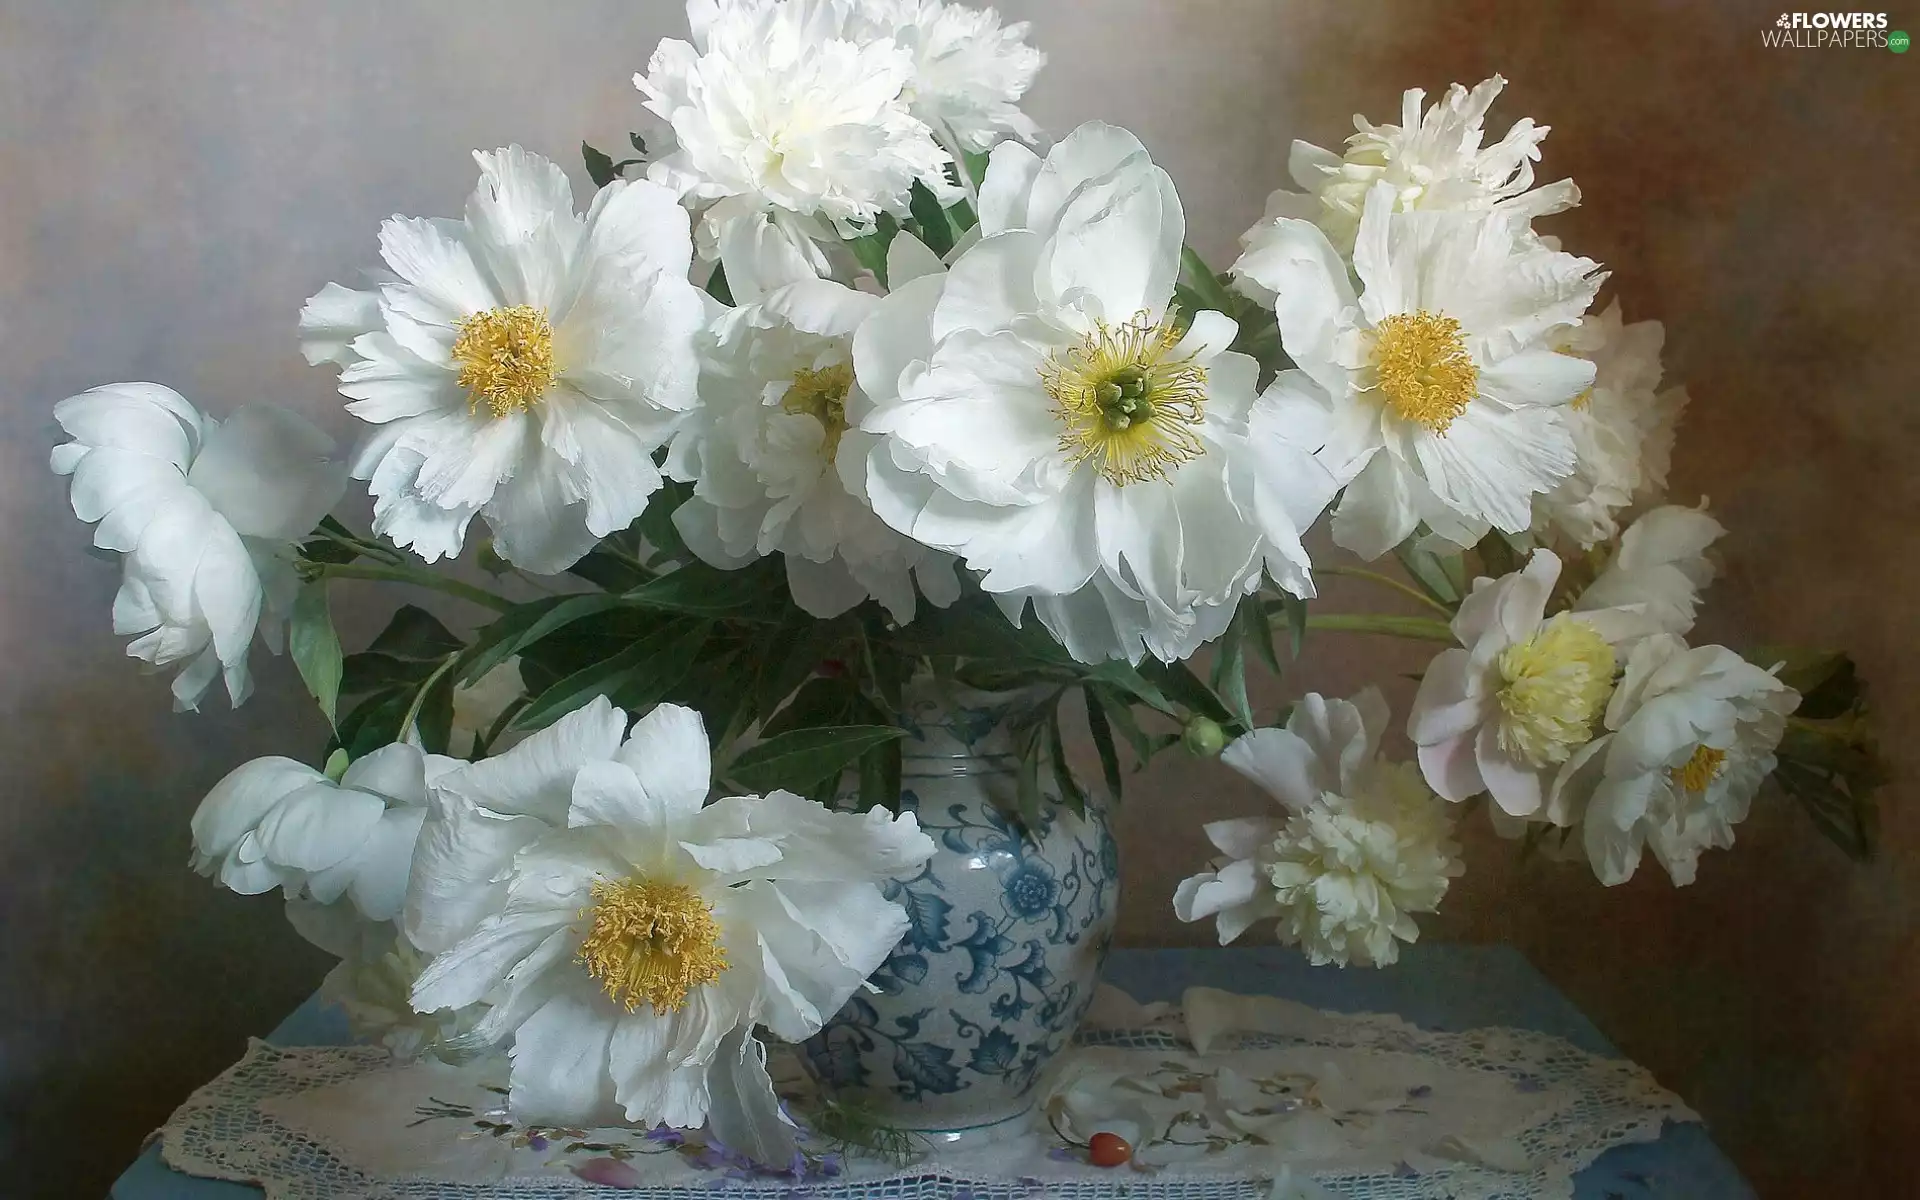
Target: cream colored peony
(206, 515)
(1363, 845)
(1692, 734)
(628, 935)
(1661, 564)
(969, 70)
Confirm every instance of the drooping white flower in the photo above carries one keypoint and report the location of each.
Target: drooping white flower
(274, 822)
(1661, 564)
(1433, 161)
(521, 365)
(1042, 412)
(1693, 733)
(1363, 845)
(1622, 428)
(205, 514)
(373, 981)
(969, 70)
(628, 935)
(763, 451)
(1445, 404)
(792, 130)
(1505, 712)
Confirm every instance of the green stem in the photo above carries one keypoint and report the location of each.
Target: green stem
(1420, 629)
(1205, 281)
(420, 697)
(418, 578)
(1388, 581)
(361, 546)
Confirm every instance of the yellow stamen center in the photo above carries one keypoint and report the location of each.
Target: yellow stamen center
(1699, 770)
(1424, 369)
(822, 395)
(505, 357)
(1557, 682)
(1581, 402)
(651, 942)
(1125, 403)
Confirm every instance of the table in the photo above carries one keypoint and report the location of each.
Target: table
(1438, 986)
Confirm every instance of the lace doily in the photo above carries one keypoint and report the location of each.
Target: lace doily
(1224, 1095)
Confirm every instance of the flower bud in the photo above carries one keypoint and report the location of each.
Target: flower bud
(1202, 738)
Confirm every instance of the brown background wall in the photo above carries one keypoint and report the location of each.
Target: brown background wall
(175, 177)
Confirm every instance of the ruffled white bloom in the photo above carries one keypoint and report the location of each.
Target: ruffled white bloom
(1661, 564)
(793, 130)
(1693, 733)
(206, 514)
(1432, 161)
(1445, 405)
(1506, 712)
(1622, 428)
(274, 822)
(1041, 412)
(778, 397)
(629, 935)
(522, 364)
(1362, 848)
(969, 70)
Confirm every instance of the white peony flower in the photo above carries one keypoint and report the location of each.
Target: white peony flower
(1693, 735)
(373, 981)
(1432, 162)
(778, 396)
(1041, 412)
(1445, 405)
(478, 707)
(1363, 845)
(792, 130)
(274, 822)
(1662, 564)
(1622, 428)
(969, 70)
(522, 364)
(206, 515)
(629, 935)
(1503, 714)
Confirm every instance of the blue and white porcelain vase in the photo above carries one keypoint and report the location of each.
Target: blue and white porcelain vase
(1009, 932)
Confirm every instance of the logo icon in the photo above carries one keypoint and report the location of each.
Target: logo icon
(1898, 41)
(1785, 21)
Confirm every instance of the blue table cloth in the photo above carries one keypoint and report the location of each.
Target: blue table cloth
(1437, 986)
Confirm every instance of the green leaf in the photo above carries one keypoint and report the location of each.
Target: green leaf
(1230, 670)
(717, 286)
(703, 590)
(870, 249)
(375, 722)
(1295, 610)
(880, 777)
(656, 526)
(1178, 681)
(369, 672)
(610, 571)
(417, 634)
(650, 682)
(639, 143)
(315, 647)
(326, 550)
(819, 703)
(600, 167)
(525, 625)
(1027, 796)
(1212, 292)
(1129, 680)
(602, 678)
(789, 655)
(1436, 577)
(1070, 792)
(1121, 714)
(931, 219)
(435, 720)
(803, 758)
(1102, 731)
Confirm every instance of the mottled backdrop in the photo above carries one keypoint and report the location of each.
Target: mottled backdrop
(177, 175)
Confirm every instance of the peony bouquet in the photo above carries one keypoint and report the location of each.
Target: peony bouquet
(850, 377)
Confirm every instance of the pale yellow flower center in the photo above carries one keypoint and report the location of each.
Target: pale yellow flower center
(1701, 769)
(651, 942)
(822, 395)
(1125, 403)
(505, 357)
(1424, 369)
(1557, 681)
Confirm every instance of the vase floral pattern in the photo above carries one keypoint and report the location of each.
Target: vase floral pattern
(1007, 934)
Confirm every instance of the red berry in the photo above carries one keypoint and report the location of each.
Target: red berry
(1108, 1150)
